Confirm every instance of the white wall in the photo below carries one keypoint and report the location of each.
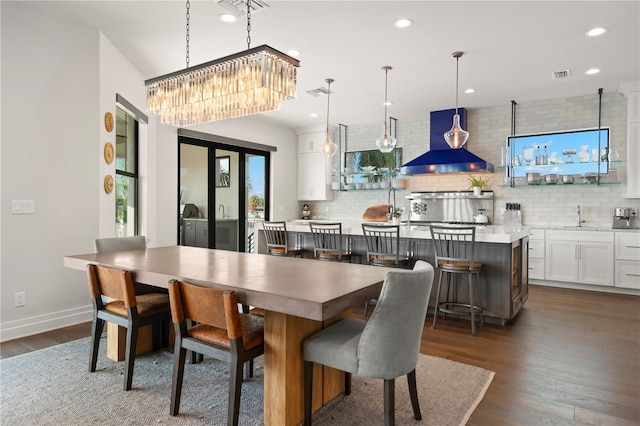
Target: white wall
(57, 83)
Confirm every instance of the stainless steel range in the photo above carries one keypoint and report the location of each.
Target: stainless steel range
(450, 207)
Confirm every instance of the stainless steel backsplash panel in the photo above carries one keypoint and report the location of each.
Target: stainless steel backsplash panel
(449, 206)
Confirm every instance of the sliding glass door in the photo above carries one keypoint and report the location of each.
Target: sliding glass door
(223, 192)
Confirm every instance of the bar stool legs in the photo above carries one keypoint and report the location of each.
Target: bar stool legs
(453, 307)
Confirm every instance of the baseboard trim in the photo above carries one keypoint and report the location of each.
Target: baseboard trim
(588, 287)
(39, 324)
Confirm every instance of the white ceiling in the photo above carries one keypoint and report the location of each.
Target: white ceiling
(511, 49)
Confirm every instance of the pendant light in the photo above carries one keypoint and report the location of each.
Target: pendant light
(457, 136)
(328, 148)
(386, 143)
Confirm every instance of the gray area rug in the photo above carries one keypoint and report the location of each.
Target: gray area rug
(53, 387)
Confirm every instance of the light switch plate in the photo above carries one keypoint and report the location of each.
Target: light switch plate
(23, 206)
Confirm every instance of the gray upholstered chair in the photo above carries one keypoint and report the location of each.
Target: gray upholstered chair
(137, 242)
(385, 347)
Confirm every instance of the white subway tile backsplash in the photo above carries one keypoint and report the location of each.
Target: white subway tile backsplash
(542, 205)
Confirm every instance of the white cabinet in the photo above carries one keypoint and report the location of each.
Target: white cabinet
(631, 91)
(313, 168)
(584, 257)
(627, 269)
(536, 254)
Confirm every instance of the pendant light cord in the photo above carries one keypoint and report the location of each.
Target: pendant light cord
(386, 76)
(188, 16)
(329, 81)
(457, 67)
(248, 24)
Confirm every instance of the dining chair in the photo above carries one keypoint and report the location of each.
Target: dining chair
(454, 249)
(114, 299)
(277, 240)
(221, 332)
(137, 242)
(383, 249)
(385, 347)
(328, 242)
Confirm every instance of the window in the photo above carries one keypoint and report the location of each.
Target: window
(126, 174)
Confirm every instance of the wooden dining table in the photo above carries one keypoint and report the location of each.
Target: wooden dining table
(300, 296)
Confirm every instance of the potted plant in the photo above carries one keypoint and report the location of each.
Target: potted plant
(477, 183)
(396, 215)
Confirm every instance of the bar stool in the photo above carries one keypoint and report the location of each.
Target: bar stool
(454, 255)
(277, 242)
(383, 249)
(328, 242)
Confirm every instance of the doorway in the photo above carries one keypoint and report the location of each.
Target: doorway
(223, 191)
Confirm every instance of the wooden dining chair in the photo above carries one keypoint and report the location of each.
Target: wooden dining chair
(328, 242)
(222, 332)
(114, 299)
(275, 234)
(385, 347)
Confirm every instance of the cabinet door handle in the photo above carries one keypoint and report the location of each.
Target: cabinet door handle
(633, 275)
(311, 145)
(577, 253)
(633, 246)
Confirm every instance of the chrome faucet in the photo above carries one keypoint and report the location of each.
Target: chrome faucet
(580, 221)
(392, 209)
(224, 215)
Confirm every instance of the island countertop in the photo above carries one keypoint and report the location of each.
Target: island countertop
(484, 233)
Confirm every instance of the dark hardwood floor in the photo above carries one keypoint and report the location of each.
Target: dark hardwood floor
(570, 358)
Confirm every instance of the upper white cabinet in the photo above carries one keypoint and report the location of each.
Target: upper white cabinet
(627, 260)
(632, 92)
(314, 177)
(584, 257)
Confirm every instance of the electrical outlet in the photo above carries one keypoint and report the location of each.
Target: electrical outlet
(20, 299)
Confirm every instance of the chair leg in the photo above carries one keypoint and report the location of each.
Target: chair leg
(235, 389)
(435, 312)
(472, 310)
(179, 358)
(96, 332)
(413, 393)
(130, 354)
(347, 383)
(366, 308)
(389, 403)
(248, 366)
(308, 389)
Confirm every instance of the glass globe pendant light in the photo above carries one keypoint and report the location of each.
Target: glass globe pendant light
(328, 148)
(386, 143)
(457, 136)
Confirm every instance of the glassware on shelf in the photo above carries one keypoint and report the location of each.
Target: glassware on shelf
(553, 159)
(583, 155)
(614, 155)
(569, 153)
(528, 154)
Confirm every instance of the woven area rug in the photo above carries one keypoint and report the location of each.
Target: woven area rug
(53, 387)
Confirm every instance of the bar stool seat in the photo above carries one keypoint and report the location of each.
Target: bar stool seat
(454, 256)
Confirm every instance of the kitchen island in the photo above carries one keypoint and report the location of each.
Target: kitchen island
(503, 251)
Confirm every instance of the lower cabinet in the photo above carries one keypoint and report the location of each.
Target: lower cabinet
(196, 233)
(627, 269)
(584, 257)
(536, 254)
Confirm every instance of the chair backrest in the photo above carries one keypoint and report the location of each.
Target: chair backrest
(453, 244)
(275, 234)
(210, 306)
(390, 342)
(382, 241)
(112, 283)
(137, 242)
(327, 237)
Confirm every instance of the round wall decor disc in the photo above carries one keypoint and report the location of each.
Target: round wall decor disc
(108, 121)
(108, 184)
(108, 152)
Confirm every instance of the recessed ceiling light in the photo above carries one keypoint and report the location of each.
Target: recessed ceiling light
(295, 53)
(387, 103)
(227, 17)
(592, 71)
(403, 23)
(313, 114)
(594, 32)
(470, 91)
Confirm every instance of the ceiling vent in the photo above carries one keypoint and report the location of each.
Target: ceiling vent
(239, 7)
(561, 74)
(317, 92)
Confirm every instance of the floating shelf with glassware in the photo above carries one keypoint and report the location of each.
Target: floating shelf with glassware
(367, 179)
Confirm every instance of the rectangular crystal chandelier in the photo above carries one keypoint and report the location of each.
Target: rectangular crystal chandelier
(255, 80)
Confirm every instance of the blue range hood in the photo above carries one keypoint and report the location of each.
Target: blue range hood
(441, 158)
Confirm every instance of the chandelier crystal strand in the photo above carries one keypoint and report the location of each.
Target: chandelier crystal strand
(328, 148)
(246, 83)
(386, 143)
(456, 137)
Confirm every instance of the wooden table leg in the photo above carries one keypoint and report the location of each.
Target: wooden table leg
(283, 370)
(117, 341)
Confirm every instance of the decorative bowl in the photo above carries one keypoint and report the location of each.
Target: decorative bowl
(590, 177)
(551, 179)
(567, 179)
(533, 178)
(367, 168)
